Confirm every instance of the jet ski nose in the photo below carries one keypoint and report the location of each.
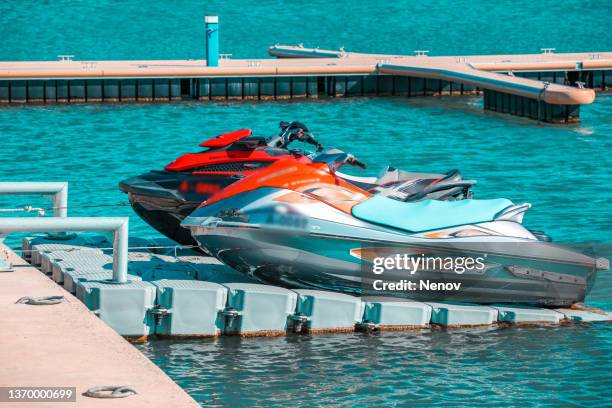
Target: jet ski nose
(152, 185)
(130, 184)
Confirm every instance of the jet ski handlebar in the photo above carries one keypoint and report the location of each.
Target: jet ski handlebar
(306, 137)
(291, 131)
(352, 160)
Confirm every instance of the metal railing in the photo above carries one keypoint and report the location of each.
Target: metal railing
(59, 191)
(61, 222)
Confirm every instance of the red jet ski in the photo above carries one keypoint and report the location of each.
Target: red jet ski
(163, 198)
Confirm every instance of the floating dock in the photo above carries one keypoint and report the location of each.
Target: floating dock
(547, 87)
(65, 345)
(186, 294)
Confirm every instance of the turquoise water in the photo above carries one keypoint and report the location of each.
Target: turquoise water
(163, 29)
(564, 171)
(527, 367)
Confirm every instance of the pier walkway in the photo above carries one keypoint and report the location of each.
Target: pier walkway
(548, 87)
(66, 345)
(182, 294)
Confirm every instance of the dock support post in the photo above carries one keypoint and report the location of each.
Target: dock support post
(120, 252)
(212, 41)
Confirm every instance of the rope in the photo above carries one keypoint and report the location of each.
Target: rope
(39, 301)
(582, 307)
(41, 210)
(25, 208)
(175, 247)
(122, 204)
(109, 391)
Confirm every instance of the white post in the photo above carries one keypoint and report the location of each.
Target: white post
(120, 252)
(60, 202)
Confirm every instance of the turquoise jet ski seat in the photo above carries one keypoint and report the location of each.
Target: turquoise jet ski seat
(428, 214)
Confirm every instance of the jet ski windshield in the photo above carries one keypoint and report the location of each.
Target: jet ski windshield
(249, 143)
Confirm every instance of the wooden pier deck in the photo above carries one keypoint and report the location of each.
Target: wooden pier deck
(548, 86)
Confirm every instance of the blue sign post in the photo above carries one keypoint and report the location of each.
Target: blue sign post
(212, 41)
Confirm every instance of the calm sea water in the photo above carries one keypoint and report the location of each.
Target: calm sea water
(564, 171)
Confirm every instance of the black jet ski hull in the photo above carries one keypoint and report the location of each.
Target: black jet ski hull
(165, 216)
(163, 199)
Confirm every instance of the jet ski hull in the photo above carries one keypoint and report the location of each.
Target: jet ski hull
(163, 199)
(318, 261)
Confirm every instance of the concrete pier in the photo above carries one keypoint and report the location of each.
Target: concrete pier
(65, 345)
(546, 87)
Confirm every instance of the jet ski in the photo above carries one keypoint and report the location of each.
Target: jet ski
(163, 198)
(299, 225)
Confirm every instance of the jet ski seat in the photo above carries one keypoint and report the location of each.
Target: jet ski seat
(428, 214)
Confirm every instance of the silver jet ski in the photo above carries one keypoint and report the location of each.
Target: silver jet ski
(300, 225)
